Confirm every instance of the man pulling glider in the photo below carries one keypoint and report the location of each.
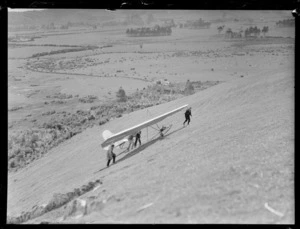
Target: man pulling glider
(138, 138)
(111, 155)
(118, 140)
(187, 115)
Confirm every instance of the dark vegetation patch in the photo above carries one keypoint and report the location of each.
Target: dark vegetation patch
(49, 112)
(15, 108)
(57, 201)
(88, 99)
(64, 51)
(57, 102)
(149, 31)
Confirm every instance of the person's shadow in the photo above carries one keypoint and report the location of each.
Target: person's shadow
(139, 149)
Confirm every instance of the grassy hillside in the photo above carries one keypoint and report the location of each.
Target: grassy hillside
(234, 159)
(233, 164)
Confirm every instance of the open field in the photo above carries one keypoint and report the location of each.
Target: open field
(234, 162)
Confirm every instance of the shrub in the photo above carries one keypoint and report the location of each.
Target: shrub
(102, 121)
(121, 95)
(12, 164)
(28, 151)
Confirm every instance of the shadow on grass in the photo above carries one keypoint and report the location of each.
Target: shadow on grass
(141, 148)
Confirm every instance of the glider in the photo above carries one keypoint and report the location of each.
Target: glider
(120, 138)
(107, 134)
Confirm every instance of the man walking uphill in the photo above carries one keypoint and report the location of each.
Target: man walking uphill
(138, 138)
(110, 155)
(187, 115)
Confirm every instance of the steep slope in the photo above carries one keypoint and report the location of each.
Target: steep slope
(235, 157)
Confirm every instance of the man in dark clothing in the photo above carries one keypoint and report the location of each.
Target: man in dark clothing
(187, 115)
(138, 138)
(110, 155)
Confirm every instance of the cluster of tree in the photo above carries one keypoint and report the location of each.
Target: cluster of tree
(231, 34)
(148, 31)
(286, 23)
(249, 32)
(254, 31)
(198, 24)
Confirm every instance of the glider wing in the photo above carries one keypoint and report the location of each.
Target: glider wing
(133, 130)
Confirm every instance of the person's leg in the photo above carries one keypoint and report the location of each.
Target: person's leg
(189, 119)
(114, 158)
(108, 161)
(140, 142)
(134, 143)
(186, 119)
(161, 134)
(129, 144)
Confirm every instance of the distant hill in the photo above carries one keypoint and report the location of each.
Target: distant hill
(58, 16)
(61, 16)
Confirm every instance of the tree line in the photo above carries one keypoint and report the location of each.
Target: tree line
(286, 23)
(150, 31)
(248, 32)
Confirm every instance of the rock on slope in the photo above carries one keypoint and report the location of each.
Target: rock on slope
(236, 158)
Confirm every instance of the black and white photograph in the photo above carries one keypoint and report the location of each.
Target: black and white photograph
(150, 116)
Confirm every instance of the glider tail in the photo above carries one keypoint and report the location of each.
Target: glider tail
(107, 134)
